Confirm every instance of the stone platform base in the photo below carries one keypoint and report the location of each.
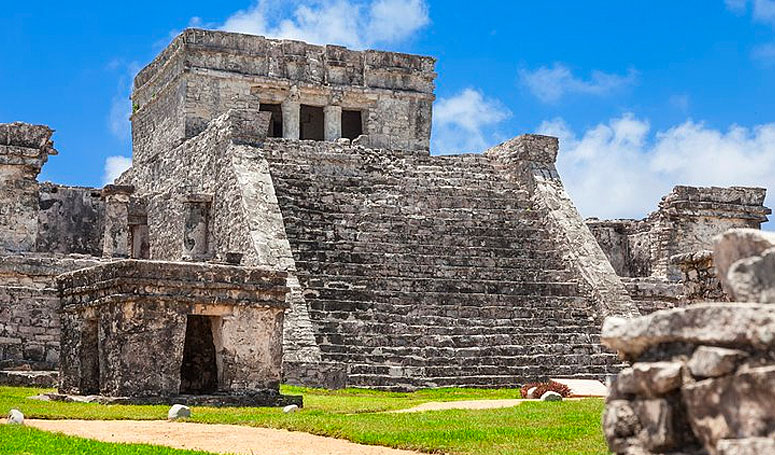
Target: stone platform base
(253, 399)
(29, 378)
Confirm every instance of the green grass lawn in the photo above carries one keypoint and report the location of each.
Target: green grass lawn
(535, 428)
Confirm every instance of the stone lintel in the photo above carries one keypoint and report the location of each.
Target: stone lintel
(199, 198)
(191, 283)
(745, 203)
(111, 190)
(23, 144)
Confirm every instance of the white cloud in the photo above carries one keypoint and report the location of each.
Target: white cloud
(352, 23)
(114, 167)
(763, 10)
(120, 105)
(464, 122)
(620, 169)
(764, 54)
(550, 84)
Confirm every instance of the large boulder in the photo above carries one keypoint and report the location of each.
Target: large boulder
(745, 262)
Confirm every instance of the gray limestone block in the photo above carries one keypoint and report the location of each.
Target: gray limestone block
(737, 244)
(747, 446)
(656, 419)
(649, 379)
(753, 279)
(620, 425)
(551, 396)
(15, 417)
(178, 411)
(714, 324)
(732, 406)
(709, 361)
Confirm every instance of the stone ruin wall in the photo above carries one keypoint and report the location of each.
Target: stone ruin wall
(664, 260)
(45, 230)
(203, 74)
(702, 378)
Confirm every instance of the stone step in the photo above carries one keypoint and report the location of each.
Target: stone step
(409, 260)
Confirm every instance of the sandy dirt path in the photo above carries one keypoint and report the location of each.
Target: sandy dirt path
(231, 439)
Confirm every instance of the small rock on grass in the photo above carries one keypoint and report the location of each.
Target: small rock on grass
(551, 396)
(15, 417)
(291, 408)
(179, 411)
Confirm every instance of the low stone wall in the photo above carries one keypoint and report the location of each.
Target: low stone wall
(702, 379)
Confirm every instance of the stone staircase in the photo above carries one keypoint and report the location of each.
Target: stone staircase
(430, 271)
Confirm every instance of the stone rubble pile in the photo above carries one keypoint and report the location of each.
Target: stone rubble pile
(702, 379)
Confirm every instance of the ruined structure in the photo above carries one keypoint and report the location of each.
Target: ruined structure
(703, 378)
(665, 260)
(152, 332)
(403, 269)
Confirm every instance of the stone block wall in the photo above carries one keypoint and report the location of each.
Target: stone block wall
(423, 271)
(29, 309)
(203, 74)
(144, 315)
(24, 148)
(661, 257)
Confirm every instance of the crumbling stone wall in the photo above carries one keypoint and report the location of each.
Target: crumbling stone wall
(702, 379)
(69, 220)
(203, 74)
(114, 317)
(660, 258)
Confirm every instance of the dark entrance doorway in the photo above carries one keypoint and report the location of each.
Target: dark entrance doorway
(199, 371)
(311, 122)
(352, 124)
(276, 123)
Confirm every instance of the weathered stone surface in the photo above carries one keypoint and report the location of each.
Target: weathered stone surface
(753, 279)
(222, 327)
(649, 379)
(733, 406)
(621, 425)
(739, 244)
(718, 324)
(669, 250)
(658, 432)
(551, 396)
(747, 446)
(711, 362)
(178, 411)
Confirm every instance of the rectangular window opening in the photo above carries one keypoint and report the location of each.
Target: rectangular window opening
(276, 122)
(352, 124)
(311, 123)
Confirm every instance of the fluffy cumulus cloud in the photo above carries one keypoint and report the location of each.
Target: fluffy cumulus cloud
(551, 83)
(466, 121)
(621, 168)
(353, 23)
(114, 167)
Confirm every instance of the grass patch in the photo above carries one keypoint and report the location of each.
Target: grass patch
(20, 440)
(536, 428)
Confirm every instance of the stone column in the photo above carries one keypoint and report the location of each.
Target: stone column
(333, 122)
(291, 118)
(115, 236)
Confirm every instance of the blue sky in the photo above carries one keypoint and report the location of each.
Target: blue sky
(644, 95)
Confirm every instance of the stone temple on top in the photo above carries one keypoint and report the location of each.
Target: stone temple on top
(284, 220)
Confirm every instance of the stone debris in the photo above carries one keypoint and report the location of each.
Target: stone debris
(291, 408)
(551, 396)
(178, 411)
(702, 378)
(15, 417)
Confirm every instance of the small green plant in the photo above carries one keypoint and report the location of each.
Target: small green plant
(135, 107)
